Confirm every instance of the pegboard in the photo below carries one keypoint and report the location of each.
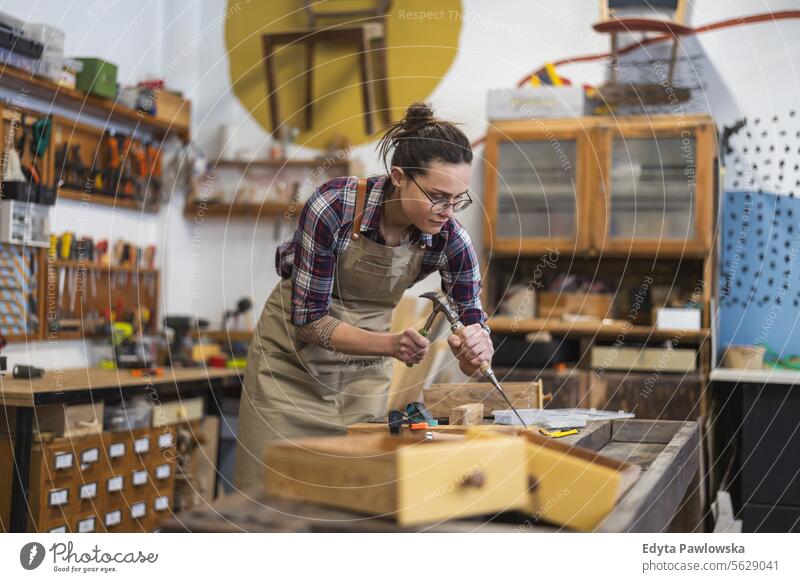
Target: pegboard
(759, 296)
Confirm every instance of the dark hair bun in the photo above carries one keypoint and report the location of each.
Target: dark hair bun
(417, 116)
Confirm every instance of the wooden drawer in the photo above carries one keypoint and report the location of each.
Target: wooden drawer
(88, 522)
(52, 500)
(143, 446)
(90, 454)
(55, 458)
(164, 442)
(405, 478)
(114, 487)
(60, 525)
(89, 494)
(163, 475)
(140, 514)
(117, 448)
(161, 504)
(114, 518)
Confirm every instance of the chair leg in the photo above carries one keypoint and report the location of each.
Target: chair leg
(272, 86)
(382, 79)
(366, 86)
(673, 59)
(309, 113)
(614, 57)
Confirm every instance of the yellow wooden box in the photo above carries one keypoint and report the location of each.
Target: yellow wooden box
(408, 479)
(569, 485)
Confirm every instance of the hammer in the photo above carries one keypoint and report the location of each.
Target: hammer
(441, 304)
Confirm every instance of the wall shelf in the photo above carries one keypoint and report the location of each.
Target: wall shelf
(242, 210)
(104, 200)
(510, 325)
(43, 88)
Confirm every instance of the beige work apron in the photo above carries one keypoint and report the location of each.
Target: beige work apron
(293, 389)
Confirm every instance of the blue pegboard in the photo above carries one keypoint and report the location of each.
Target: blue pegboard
(759, 297)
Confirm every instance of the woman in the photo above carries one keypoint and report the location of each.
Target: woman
(321, 356)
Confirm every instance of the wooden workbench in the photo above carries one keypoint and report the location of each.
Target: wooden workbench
(78, 385)
(667, 451)
(71, 384)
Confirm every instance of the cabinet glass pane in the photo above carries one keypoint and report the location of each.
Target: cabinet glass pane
(653, 188)
(536, 189)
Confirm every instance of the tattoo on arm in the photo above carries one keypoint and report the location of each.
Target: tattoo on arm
(319, 332)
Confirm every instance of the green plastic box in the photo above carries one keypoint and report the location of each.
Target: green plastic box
(97, 77)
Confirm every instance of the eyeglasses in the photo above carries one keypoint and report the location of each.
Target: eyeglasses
(441, 206)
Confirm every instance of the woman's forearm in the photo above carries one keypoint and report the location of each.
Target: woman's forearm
(338, 336)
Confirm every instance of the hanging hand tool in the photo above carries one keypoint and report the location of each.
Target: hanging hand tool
(440, 303)
(111, 163)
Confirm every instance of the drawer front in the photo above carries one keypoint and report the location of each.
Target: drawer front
(650, 396)
(163, 475)
(117, 451)
(114, 518)
(58, 457)
(460, 480)
(88, 522)
(143, 446)
(89, 494)
(89, 454)
(55, 501)
(114, 488)
(140, 514)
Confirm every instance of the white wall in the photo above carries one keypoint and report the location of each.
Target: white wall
(211, 263)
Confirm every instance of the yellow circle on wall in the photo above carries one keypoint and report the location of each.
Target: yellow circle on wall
(421, 40)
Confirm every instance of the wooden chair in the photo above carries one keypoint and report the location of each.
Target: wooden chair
(365, 28)
(632, 16)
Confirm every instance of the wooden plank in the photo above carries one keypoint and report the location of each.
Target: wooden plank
(644, 431)
(441, 398)
(652, 502)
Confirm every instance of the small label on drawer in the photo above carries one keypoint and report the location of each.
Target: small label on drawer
(58, 497)
(115, 483)
(63, 460)
(59, 529)
(90, 456)
(165, 440)
(161, 503)
(89, 490)
(140, 477)
(162, 471)
(113, 517)
(86, 525)
(141, 445)
(116, 450)
(138, 510)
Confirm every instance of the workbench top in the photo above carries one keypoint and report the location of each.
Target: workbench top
(57, 383)
(666, 451)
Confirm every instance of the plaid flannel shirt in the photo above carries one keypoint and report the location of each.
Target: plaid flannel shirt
(323, 232)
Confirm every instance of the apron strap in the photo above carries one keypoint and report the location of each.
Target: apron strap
(361, 200)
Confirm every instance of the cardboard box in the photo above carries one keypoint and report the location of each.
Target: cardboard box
(532, 102)
(677, 318)
(644, 359)
(74, 420)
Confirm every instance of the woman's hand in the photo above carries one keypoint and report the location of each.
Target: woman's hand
(471, 347)
(410, 347)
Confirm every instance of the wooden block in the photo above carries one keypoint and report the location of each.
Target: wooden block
(441, 398)
(467, 414)
(404, 478)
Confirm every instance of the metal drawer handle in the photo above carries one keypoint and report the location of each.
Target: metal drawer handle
(476, 479)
